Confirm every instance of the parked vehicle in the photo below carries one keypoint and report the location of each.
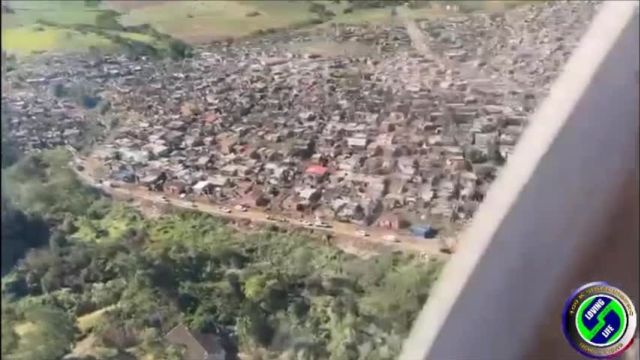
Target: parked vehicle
(321, 224)
(363, 233)
(226, 210)
(423, 231)
(391, 238)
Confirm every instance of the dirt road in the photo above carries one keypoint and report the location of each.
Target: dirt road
(344, 235)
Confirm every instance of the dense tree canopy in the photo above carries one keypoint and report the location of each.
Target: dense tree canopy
(126, 280)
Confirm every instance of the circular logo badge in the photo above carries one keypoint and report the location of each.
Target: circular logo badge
(599, 320)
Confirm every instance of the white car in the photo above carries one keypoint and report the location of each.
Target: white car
(241, 208)
(363, 233)
(226, 210)
(391, 238)
(306, 223)
(321, 224)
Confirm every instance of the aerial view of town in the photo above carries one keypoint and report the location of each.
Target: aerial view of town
(258, 181)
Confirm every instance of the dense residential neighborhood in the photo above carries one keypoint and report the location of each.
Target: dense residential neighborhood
(389, 139)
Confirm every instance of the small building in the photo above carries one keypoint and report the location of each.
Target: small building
(310, 195)
(204, 162)
(407, 166)
(357, 143)
(204, 187)
(315, 174)
(256, 197)
(197, 346)
(457, 163)
(154, 180)
(126, 175)
(316, 170)
(219, 181)
(391, 221)
(158, 150)
(176, 187)
(134, 156)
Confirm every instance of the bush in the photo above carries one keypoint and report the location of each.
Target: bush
(108, 19)
(179, 49)
(317, 8)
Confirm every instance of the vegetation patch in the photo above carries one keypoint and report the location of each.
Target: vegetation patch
(125, 281)
(75, 26)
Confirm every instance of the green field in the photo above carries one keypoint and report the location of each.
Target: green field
(24, 33)
(29, 28)
(199, 21)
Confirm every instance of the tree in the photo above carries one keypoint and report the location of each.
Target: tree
(20, 232)
(92, 3)
(179, 49)
(255, 287)
(9, 336)
(108, 19)
(9, 148)
(51, 336)
(254, 328)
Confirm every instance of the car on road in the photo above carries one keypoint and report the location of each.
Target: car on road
(363, 233)
(391, 238)
(183, 195)
(306, 223)
(241, 208)
(271, 218)
(226, 210)
(321, 224)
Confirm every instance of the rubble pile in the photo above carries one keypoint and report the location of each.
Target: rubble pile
(388, 140)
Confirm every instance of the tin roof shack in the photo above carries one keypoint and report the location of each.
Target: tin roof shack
(392, 221)
(133, 156)
(125, 175)
(255, 197)
(303, 149)
(357, 143)
(203, 187)
(154, 180)
(208, 186)
(176, 187)
(308, 197)
(197, 346)
(423, 231)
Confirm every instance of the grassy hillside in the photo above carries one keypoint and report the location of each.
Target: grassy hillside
(27, 29)
(66, 26)
(198, 21)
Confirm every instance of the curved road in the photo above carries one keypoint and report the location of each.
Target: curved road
(343, 233)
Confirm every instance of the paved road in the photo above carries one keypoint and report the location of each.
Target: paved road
(341, 232)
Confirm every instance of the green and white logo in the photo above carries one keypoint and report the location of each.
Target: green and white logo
(599, 320)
